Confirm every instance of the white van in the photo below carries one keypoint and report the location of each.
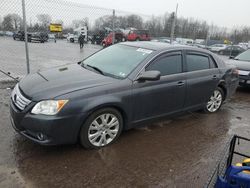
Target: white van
(77, 32)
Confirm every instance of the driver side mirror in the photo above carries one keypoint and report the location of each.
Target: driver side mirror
(149, 76)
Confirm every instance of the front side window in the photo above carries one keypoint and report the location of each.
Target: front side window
(167, 65)
(197, 62)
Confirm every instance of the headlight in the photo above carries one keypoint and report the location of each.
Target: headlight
(49, 107)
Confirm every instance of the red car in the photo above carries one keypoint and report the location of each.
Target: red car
(138, 35)
(107, 41)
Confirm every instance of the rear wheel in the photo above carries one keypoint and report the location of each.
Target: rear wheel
(215, 101)
(102, 128)
(72, 40)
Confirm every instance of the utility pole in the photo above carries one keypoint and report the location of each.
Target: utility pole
(173, 24)
(26, 37)
(113, 27)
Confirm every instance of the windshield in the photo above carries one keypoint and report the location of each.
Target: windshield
(116, 61)
(245, 56)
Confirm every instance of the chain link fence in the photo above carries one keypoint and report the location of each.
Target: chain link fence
(53, 30)
(54, 26)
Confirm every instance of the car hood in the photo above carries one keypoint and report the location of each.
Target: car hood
(54, 82)
(241, 65)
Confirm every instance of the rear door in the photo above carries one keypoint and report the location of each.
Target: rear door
(202, 75)
(164, 96)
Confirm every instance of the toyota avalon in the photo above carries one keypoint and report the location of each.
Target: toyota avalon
(116, 89)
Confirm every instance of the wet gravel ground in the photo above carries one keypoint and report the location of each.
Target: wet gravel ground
(178, 152)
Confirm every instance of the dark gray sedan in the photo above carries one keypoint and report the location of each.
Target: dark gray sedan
(116, 89)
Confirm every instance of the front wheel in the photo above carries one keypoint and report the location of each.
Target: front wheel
(215, 101)
(102, 128)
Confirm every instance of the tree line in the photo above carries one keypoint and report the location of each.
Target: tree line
(158, 26)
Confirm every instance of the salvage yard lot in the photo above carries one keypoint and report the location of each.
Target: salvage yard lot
(179, 152)
(42, 55)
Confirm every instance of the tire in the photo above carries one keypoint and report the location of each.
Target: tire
(137, 39)
(99, 131)
(72, 40)
(221, 52)
(14, 38)
(215, 102)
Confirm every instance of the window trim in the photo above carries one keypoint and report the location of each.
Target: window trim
(167, 54)
(198, 53)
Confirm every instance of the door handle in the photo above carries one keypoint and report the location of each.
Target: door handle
(181, 83)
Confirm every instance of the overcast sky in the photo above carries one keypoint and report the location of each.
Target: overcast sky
(225, 13)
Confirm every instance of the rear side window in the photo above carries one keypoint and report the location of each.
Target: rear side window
(197, 62)
(167, 65)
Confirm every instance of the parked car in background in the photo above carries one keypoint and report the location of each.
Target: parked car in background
(164, 40)
(38, 37)
(161, 39)
(243, 45)
(98, 37)
(217, 47)
(9, 33)
(231, 51)
(185, 41)
(138, 35)
(19, 35)
(32, 37)
(118, 88)
(107, 41)
(242, 62)
(51, 37)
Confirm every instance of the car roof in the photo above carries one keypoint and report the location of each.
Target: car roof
(161, 46)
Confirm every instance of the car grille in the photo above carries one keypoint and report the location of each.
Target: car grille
(18, 99)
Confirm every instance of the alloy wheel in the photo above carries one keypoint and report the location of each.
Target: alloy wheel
(103, 129)
(215, 101)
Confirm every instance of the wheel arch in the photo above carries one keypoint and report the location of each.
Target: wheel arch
(222, 85)
(113, 105)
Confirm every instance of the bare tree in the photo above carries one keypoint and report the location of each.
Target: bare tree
(80, 22)
(44, 20)
(12, 22)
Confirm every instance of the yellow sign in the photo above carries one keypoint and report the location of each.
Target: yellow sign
(227, 41)
(55, 27)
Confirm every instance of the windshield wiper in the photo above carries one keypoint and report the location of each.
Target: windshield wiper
(95, 68)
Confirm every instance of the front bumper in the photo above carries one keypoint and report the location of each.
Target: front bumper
(244, 80)
(46, 130)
